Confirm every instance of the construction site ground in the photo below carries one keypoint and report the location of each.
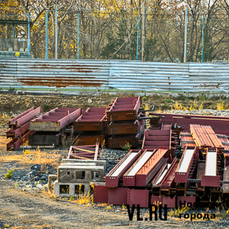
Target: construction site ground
(22, 208)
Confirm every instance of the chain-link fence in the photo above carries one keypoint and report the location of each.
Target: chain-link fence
(136, 33)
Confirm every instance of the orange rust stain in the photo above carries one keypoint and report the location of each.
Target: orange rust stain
(73, 68)
(61, 81)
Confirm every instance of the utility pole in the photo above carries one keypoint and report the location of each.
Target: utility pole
(143, 33)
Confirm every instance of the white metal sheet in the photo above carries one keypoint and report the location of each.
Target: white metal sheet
(140, 163)
(210, 167)
(186, 160)
(124, 164)
(163, 174)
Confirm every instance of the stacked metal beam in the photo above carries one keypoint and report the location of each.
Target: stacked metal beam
(91, 126)
(51, 126)
(123, 124)
(19, 128)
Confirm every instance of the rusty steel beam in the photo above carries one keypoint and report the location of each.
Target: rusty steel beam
(125, 127)
(117, 142)
(82, 139)
(124, 109)
(93, 119)
(114, 176)
(16, 143)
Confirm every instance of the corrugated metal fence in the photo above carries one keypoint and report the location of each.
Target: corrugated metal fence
(114, 74)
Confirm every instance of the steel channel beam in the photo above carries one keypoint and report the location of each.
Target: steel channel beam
(150, 168)
(136, 197)
(117, 196)
(13, 121)
(89, 139)
(100, 194)
(114, 176)
(129, 178)
(119, 141)
(186, 161)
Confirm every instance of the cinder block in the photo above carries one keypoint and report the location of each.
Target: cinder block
(70, 189)
(79, 174)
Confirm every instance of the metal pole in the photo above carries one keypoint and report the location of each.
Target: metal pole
(137, 37)
(185, 35)
(202, 60)
(13, 31)
(29, 47)
(78, 36)
(46, 34)
(143, 33)
(56, 32)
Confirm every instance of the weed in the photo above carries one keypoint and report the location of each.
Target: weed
(201, 106)
(168, 100)
(16, 184)
(126, 147)
(27, 151)
(143, 98)
(71, 198)
(178, 211)
(6, 226)
(9, 173)
(123, 207)
(108, 207)
(35, 183)
(220, 106)
(85, 199)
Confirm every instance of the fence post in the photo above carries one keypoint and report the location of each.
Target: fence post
(143, 33)
(46, 34)
(56, 32)
(185, 34)
(202, 60)
(137, 38)
(29, 47)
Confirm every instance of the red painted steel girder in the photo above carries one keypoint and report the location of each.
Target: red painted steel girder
(136, 197)
(124, 109)
(114, 176)
(157, 139)
(93, 119)
(55, 119)
(219, 124)
(129, 178)
(117, 196)
(15, 133)
(100, 194)
(24, 117)
(150, 168)
(182, 176)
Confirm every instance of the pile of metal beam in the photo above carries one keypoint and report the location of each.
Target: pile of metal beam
(19, 128)
(91, 126)
(123, 126)
(50, 127)
(218, 123)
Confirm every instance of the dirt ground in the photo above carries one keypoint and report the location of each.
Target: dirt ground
(24, 209)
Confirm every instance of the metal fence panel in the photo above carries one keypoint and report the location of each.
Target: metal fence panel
(114, 74)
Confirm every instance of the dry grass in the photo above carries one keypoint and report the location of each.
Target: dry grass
(32, 157)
